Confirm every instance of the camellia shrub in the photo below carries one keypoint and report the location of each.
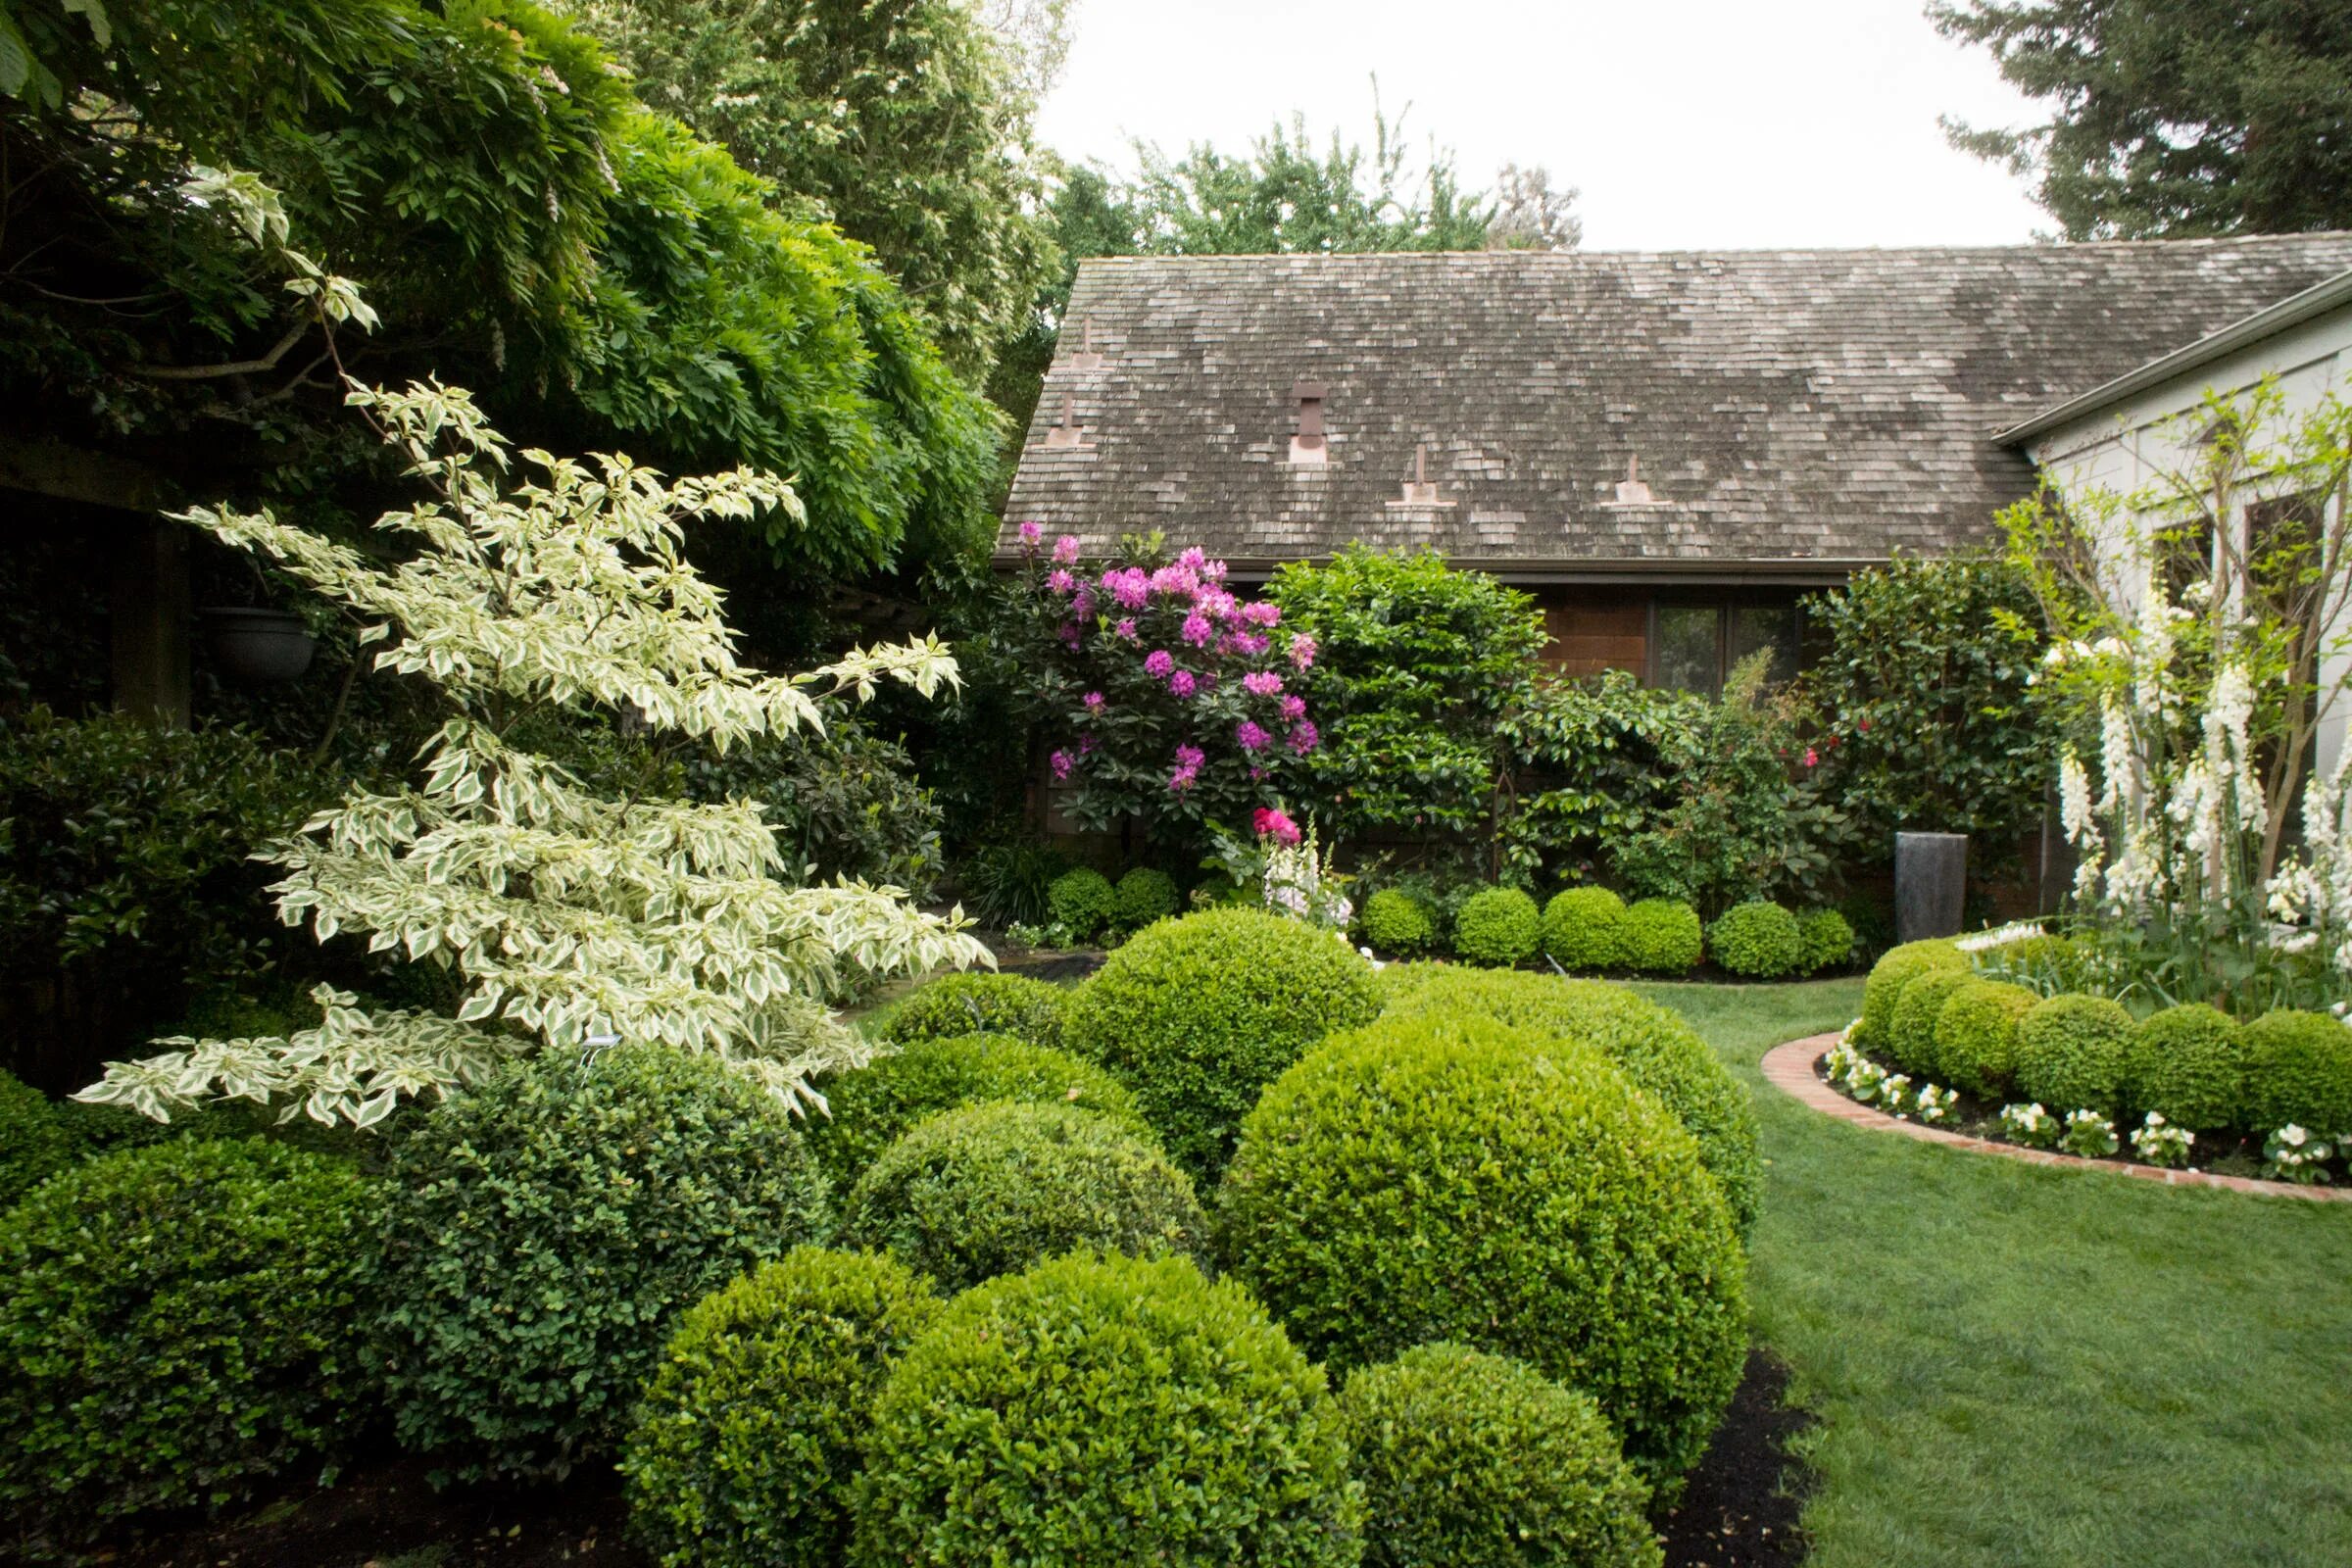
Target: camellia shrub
(2189, 1064)
(1084, 901)
(34, 1141)
(1197, 1015)
(1396, 923)
(1100, 1410)
(872, 1107)
(1662, 935)
(1757, 941)
(1975, 1035)
(2298, 1071)
(1583, 928)
(746, 1447)
(1528, 1202)
(1824, 939)
(979, 1004)
(1910, 1039)
(1497, 927)
(2073, 1053)
(540, 1234)
(1144, 895)
(1891, 974)
(995, 1187)
(1470, 1460)
(180, 1324)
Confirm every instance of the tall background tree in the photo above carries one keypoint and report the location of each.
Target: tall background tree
(2173, 117)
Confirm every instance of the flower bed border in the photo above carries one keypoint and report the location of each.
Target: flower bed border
(1793, 1068)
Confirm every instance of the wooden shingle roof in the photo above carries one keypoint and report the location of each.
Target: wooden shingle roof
(1815, 408)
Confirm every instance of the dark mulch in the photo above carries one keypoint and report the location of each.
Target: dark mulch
(1738, 1508)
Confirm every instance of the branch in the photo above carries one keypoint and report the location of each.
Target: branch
(208, 373)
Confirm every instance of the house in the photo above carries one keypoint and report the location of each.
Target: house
(1665, 449)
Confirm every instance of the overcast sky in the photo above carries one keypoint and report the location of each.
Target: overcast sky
(1686, 124)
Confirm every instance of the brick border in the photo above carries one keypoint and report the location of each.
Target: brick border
(1789, 1069)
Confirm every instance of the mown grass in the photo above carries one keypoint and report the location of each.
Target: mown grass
(2027, 1366)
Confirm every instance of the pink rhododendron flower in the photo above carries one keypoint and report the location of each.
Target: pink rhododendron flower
(1060, 581)
(1126, 628)
(1303, 651)
(1253, 738)
(1304, 737)
(1262, 614)
(1294, 708)
(1181, 683)
(1157, 663)
(1276, 825)
(1263, 683)
(1065, 548)
(1093, 702)
(1196, 630)
(1061, 764)
(1031, 533)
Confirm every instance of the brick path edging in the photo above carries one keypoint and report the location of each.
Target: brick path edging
(1789, 1069)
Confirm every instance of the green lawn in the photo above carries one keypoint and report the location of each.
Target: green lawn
(2024, 1366)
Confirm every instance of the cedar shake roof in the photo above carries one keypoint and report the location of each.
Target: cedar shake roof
(1811, 408)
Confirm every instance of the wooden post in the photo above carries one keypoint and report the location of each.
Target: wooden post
(149, 616)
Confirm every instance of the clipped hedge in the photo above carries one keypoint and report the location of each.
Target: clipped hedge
(1497, 927)
(1448, 1177)
(1084, 901)
(178, 1324)
(1910, 1040)
(36, 1142)
(991, 1189)
(746, 1447)
(1197, 1015)
(1470, 1460)
(958, 1004)
(868, 1108)
(1396, 923)
(1756, 941)
(543, 1231)
(1975, 1035)
(1107, 1411)
(1663, 936)
(1583, 928)
(1824, 940)
(2189, 1064)
(2299, 1071)
(1143, 896)
(1891, 974)
(2073, 1053)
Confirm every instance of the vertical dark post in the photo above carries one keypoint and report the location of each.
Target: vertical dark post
(149, 623)
(1931, 883)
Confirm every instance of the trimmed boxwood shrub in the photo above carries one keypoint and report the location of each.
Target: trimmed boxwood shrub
(960, 1004)
(991, 1189)
(1396, 923)
(1650, 1044)
(2298, 1070)
(872, 1107)
(1910, 1040)
(36, 1142)
(1197, 1015)
(2189, 1064)
(1470, 1460)
(1145, 895)
(178, 1324)
(1084, 901)
(1107, 1411)
(1975, 1037)
(1756, 941)
(542, 1233)
(1663, 936)
(1583, 928)
(1448, 1177)
(1891, 974)
(2073, 1053)
(1824, 939)
(1499, 927)
(744, 1449)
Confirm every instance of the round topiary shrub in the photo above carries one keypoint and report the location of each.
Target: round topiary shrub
(1975, 1037)
(1448, 1177)
(1823, 941)
(1891, 974)
(1910, 1039)
(1107, 1411)
(179, 1323)
(1756, 941)
(1197, 1015)
(1145, 895)
(542, 1233)
(958, 1004)
(1470, 1460)
(1499, 927)
(1396, 923)
(1084, 901)
(746, 1447)
(1650, 1044)
(1663, 936)
(2189, 1064)
(991, 1189)
(1583, 928)
(2299, 1071)
(871, 1108)
(2073, 1053)
(36, 1142)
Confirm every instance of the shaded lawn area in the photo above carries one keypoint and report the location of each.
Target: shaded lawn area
(2026, 1366)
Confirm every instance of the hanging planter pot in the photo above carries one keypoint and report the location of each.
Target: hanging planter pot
(258, 647)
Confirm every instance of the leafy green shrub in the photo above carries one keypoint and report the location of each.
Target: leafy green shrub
(1910, 1039)
(179, 1323)
(1663, 936)
(1650, 1044)
(2073, 1053)
(1084, 901)
(993, 1189)
(1756, 941)
(2189, 1064)
(539, 1234)
(1975, 1035)
(2299, 1070)
(36, 1142)
(1445, 1176)
(1145, 895)
(1891, 974)
(1824, 940)
(872, 1107)
(744, 1449)
(1497, 927)
(1396, 923)
(1583, 928)
(1196, 1015)
(1470, 1460)
(1106, 1409)
(981, 1005)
